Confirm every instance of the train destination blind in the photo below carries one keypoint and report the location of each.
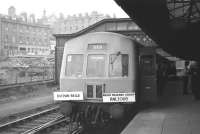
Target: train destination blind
(97, 46)
(119, 97)
(68, 96)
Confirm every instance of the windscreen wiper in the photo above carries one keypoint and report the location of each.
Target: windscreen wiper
(118, 53)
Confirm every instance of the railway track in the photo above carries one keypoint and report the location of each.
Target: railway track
(51, 121)
(28, 123)
(47, 121)
(62, 126)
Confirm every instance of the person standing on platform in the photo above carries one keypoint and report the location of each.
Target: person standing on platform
(161, 77)
(185, 78)
(195, 79)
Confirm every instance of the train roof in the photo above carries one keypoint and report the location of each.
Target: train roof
(107, 33)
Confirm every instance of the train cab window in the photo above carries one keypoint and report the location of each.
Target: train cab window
(96, 65)
(119, 65)
(74, 66)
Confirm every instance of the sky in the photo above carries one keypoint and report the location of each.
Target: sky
(67, 7)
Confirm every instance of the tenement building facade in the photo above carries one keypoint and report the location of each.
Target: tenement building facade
(21, 36)
(72, 23)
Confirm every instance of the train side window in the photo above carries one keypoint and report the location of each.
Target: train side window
(119, 65)
(147, 65)
(74, 66)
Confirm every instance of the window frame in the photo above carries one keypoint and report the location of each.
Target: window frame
(82, 73)
(109, 66)
(105, 61)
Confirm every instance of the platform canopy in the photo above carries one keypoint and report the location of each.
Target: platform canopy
(173, 24)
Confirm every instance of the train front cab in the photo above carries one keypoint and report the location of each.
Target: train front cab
(113, 54)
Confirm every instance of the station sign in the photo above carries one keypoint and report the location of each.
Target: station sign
(59, 96)
(119, 97)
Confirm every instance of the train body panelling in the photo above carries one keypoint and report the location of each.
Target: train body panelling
(58, 56)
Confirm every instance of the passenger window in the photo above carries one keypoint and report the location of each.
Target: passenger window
(119, 65)
(74, 66)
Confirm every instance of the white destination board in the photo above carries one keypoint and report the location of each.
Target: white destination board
(119, 97)
(68, 95)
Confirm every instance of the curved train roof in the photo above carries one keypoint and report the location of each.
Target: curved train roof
(102, 33)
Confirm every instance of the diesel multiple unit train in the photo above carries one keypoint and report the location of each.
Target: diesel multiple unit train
(99, 76)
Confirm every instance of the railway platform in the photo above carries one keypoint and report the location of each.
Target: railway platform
(25, 104)
(173, 114)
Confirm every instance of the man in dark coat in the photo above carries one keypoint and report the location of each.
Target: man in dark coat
(185, 78)
(195, 79)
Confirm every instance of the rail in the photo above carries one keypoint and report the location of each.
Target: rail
(26, 84)
(28, 117)
(77, 131)
(53, 122)
(42, 121)
(32, 123)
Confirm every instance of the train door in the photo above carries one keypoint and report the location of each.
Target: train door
(148, 81)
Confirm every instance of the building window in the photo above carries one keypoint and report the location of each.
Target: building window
(28, 39)
(22, 49)
(20, 39)
(6, 38)
(6, 28)
(13, 39)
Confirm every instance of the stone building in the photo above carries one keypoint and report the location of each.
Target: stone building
(22, 36)
(71, 24)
